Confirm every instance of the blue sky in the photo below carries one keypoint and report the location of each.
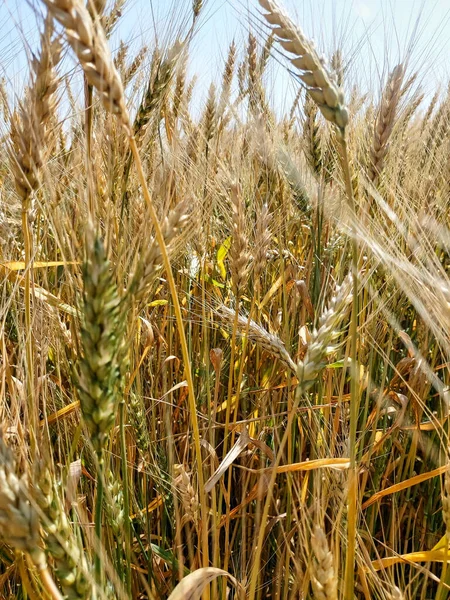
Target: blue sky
(374, 34)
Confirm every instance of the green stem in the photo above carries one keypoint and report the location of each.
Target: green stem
(352, 499)
(184, 349)
(98, 571)
(262, 528)
(126, 497)
(32, 415)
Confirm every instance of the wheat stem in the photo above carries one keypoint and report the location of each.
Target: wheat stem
(126, 495)
(50, 585)
(354, 389)
(183, 342)
(98, 570)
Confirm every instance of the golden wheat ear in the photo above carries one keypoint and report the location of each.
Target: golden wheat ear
(313, 71)
(88, 40)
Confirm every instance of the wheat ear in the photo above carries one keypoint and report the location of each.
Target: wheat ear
(88, 41)
(162, 72)
(260, 336)
(151, 262)
(385, 121)
(189, 497)
(28, 126)
(239, 254)
(19, 519)
(60, 542)
(322, 338)
(324, 580)
(101, 341)
(313, 70)
(313, 150)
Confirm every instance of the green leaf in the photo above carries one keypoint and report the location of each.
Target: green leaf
(336, 365)
(157, 303)
(209, 279)
(168, 557)
(221, 255)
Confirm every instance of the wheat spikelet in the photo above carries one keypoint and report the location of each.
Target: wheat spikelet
(323, 580)
(319, 82)
(260, 336)
(88, 40)
(60, 542)
(385, 121)
(19, 521)
(197, 6)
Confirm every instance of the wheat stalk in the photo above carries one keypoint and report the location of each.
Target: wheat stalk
(263, 236)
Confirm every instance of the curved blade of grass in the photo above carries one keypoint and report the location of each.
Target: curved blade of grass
(403, 485)
(192, 586)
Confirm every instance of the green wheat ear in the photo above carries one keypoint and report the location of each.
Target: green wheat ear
(98, 374)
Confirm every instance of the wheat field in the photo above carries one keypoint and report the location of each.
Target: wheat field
(224, 325)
